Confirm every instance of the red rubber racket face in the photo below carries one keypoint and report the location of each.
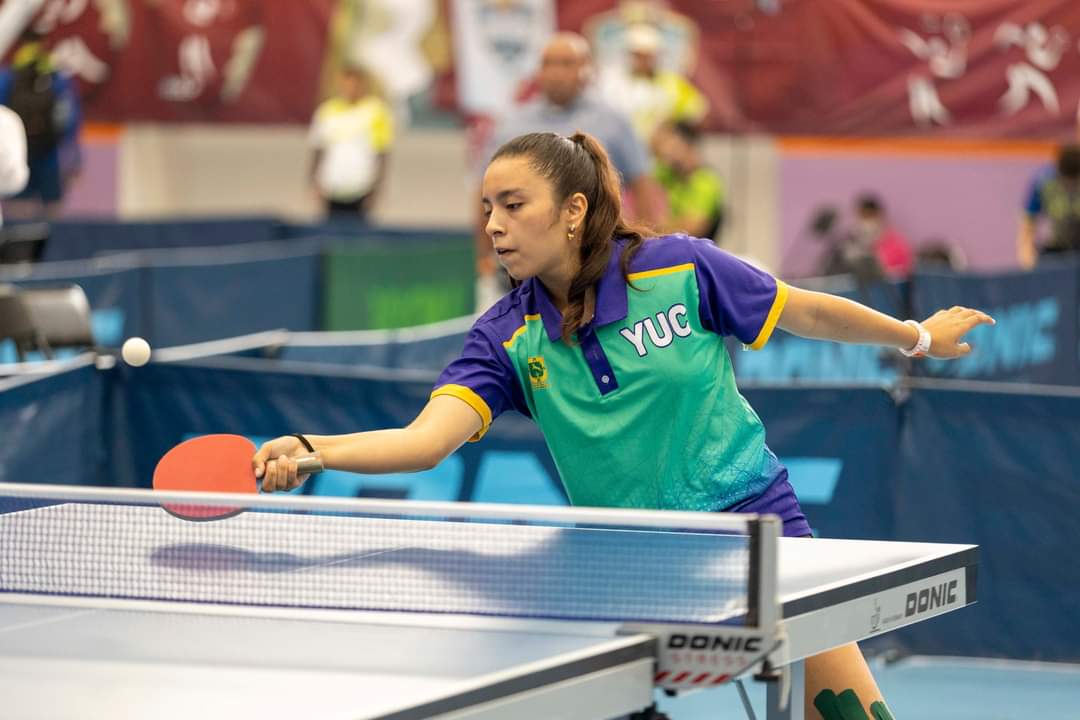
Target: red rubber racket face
(211, 463)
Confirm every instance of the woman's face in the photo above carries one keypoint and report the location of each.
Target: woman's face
(528, 231)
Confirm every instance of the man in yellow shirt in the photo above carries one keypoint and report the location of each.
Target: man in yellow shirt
(648, 93)
(694, 192)
(351, 134)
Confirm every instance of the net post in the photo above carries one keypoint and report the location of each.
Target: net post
(763, 602)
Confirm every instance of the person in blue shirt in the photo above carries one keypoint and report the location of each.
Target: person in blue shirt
(1055, 195)
(47, 101)
(612, 342)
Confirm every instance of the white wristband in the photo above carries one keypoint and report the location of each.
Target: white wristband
(922, 345)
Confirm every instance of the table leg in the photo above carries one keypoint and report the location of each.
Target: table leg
(794, 709)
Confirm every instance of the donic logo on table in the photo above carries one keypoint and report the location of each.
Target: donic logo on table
(661, 329)
(726, 643)
(930, 598)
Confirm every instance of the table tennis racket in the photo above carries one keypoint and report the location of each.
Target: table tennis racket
(213, 463)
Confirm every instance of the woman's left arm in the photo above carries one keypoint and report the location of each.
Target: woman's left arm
(828, 317)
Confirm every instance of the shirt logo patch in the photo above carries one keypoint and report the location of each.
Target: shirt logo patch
(538, 374)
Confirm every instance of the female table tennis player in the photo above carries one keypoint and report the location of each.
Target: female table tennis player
(611, 342)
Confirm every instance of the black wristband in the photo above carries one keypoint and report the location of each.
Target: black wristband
(304, 440)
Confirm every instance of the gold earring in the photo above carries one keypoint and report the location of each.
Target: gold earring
(570, 233)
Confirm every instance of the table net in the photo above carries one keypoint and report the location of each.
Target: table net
(379, 555)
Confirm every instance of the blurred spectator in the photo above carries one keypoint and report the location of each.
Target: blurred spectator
(1055, 195)
(871, 249)
(936, 255)
(647, 93)
(873, 230)
(351, 134)
(565, 106)
(14, 171)
(47, 102)
(695, 193)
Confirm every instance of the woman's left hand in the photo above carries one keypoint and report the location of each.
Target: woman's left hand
(948, 327)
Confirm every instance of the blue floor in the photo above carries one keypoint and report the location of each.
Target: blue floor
(923, 688)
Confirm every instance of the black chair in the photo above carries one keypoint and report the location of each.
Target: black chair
(15, 322)
(60, 317)
(23, 242)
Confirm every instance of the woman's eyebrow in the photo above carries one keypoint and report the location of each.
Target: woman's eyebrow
(502, 195)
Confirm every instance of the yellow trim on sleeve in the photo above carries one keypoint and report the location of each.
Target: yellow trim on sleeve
(517, 333)
(470, 398)
(660, 271)
(774, 316)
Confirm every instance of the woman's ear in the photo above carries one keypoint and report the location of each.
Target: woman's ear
(575, 209)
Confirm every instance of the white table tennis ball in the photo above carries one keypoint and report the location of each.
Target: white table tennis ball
(135, 351)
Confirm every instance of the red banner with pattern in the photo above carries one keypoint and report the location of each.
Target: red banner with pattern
(990, 68)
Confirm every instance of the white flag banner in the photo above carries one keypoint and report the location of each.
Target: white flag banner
(497, 45)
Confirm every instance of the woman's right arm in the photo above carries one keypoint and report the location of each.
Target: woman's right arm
(442, 427)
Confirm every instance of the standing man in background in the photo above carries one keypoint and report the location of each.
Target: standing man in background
(566, 105)
(1054, 194)
(351, 135)
(14, 172)
(47, 103)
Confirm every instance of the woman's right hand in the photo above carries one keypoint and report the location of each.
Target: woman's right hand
(275, 463)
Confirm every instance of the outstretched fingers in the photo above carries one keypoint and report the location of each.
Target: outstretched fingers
(948, 327)
(971, 319)
(978, 317)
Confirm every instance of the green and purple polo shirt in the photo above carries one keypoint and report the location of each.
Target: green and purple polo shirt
(643, 411)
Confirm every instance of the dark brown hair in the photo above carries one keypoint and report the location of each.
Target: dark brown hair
(573, 164)
(1068, 163)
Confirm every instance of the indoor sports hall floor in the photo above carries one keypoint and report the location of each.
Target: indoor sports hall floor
(925, 688)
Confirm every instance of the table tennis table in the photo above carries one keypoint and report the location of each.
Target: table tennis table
(339, 608)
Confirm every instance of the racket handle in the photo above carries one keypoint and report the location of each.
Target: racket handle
(307, 464)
